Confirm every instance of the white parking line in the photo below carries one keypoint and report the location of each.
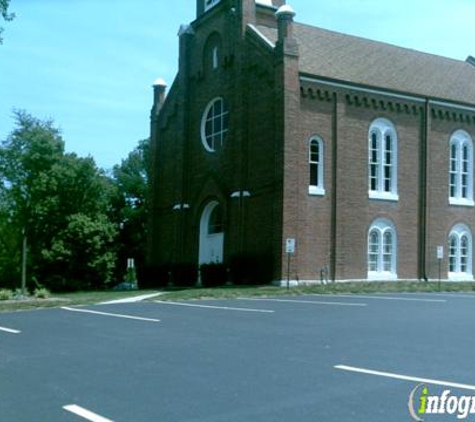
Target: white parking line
(309, 302)
(407, 299)
(445, 294)
(9, 330)
(88, 311)
(85, 414)
(405, 377)
(224, 308)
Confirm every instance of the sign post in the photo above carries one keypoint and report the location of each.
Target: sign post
(290, 250)
(440, 257)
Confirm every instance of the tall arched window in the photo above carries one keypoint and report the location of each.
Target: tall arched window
(461, 169)
(212, 53)
(382, 160)
(460, 253)
(316, 162)
(382, 251)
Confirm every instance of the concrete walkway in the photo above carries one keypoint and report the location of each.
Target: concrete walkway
(131, 299)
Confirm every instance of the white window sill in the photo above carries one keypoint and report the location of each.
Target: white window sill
(461, 202)
(315, 190)
(383, 196)
(381, 276)
(460, 277)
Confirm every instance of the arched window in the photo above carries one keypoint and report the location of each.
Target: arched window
(461, 169)
(212, 53)
(215, 223)
(214, 124)
(215, 54)
(382, 251)
(460, 253)
(316, 162)
(382, 160)
(210, 3)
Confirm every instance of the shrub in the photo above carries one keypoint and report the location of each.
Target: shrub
(213, 275)
(156, 276)
(59, 284)
(6, 294)
(184, 275)
(41, 293)
(251, 269)
(131, 276)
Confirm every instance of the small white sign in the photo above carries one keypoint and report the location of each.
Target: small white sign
(290, 246)
(440, 252)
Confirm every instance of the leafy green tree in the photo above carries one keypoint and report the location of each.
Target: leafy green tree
(5, 15)
(42, 189)
(131, 205)
(84, 250)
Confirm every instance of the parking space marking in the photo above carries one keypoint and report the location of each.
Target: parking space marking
(405, 377)
(407, 299)
(88, 311)
(85, 414)
(445, 294)
(9, 330)
(224, 308)
(309, 302)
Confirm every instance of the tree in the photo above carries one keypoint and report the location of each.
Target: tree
(131, 205)
(25, 157)
(84, 250)
(5, 15)
(47, 195)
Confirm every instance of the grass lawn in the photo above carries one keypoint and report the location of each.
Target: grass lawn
(331, 288)
(231, 292)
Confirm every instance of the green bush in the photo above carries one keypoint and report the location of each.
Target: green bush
(6, 294)
(41, 293)
(213, 275)
(154, 277)
(184, 275)
(251, 269)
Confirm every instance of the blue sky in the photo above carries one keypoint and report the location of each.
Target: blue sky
(90, 64)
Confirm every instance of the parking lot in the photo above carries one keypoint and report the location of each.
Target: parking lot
(300, 359)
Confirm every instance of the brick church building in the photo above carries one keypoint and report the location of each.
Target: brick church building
(360, 151)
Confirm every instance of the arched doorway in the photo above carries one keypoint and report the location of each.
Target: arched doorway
(211, 234)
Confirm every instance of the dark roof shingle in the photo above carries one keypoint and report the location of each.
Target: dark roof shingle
(375, 64)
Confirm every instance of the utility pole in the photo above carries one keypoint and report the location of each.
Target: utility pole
(23, 264)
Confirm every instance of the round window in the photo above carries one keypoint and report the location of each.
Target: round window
(214, 125)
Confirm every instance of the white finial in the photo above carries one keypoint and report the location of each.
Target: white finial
(160, 82)
(286, 9)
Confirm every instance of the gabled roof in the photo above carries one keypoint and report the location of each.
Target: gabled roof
(336, 56)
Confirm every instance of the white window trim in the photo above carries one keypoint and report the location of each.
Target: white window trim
(209, 5)
(383, 127)
(462, 202)
(460, 138)
(459, 231)
(204, 119)
(317, 190)
(384, 196)
(383, 226)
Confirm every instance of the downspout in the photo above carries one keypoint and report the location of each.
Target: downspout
(333, 246)
(423, 216)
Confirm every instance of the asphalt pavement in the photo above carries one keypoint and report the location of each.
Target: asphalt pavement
(299, 359)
